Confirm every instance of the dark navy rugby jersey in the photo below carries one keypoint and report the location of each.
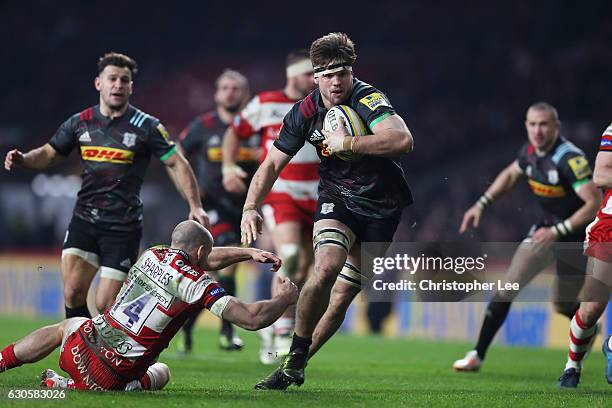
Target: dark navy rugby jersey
(202, 141)
(555, 176)
(115, 154)
(373, 186)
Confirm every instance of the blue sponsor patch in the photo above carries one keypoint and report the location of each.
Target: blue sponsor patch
(606, 142)
(217, 291)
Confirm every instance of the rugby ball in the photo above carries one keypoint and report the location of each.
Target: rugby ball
(354, 125)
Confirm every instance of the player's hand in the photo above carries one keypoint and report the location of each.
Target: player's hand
(288, 290)
(471, 218)
(544, 235)
(250, 225)
(267, 257)
(233, 179)
(198, 214)
(334, 141)
(13, 158)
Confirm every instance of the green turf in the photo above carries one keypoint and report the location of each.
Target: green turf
(349, 371)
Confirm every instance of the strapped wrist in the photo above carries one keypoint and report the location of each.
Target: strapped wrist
(346, 143)
(248, 207)
(484, 201)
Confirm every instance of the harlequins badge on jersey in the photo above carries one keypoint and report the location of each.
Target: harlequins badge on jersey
(129, 139)
(553, 176)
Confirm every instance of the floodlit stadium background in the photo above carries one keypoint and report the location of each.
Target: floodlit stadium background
(460, 75)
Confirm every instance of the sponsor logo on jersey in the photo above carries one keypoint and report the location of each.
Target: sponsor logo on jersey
(163, 132)
(553, 176)
(327, 208)
(129, 139)
(216, 291)
(316, 136)
(580, 167)
(374, 100)
(543, 190)
(214, 140)
(107, 154)
(245, 154)
(85, 138)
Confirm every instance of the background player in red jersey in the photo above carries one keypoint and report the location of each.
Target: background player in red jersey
(201, 141)
(115, 141)
(118, 350)
(598, 283)
(289, 207)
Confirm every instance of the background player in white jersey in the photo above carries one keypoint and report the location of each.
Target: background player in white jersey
(289, 207)
(118, 350)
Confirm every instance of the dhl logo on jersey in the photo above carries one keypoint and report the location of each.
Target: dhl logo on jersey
(107, 154)
(245, 154)
(547, 191)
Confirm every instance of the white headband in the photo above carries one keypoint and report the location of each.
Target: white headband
(298, 68)
(330, 69)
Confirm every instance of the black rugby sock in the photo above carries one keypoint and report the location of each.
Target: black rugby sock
(188, 331)
(494, 318)
(80, 311)
(300, 344)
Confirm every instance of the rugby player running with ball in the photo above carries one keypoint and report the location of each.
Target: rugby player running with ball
(359, 200)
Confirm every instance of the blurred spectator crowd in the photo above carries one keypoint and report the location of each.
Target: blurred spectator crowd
(461, 76)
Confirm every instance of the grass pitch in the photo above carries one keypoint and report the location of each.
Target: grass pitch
(349, 371)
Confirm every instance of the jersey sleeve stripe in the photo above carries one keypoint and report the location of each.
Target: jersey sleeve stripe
(576, 185)
(378, 119)
(168, 153)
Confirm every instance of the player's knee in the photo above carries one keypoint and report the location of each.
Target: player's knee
(566, 308)
(74, 295)
(159, 373)
(290, 255)
(103, 303)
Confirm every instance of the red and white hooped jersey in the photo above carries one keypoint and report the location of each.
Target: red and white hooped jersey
(605, 211)
(264, 115)
(162, 290)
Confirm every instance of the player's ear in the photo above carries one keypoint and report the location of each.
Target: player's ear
(201, 253)
(97, 83)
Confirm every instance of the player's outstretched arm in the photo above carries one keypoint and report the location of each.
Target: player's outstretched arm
(602, 175)
(262, 183)
(183, 178)
(503, 183)
(222, 257)
(255, 316)
(37, 159)
(233, 175)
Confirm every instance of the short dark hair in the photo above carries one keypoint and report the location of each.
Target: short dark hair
(297, 56)
(332, 47)
(545, 106)
(118, 60)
